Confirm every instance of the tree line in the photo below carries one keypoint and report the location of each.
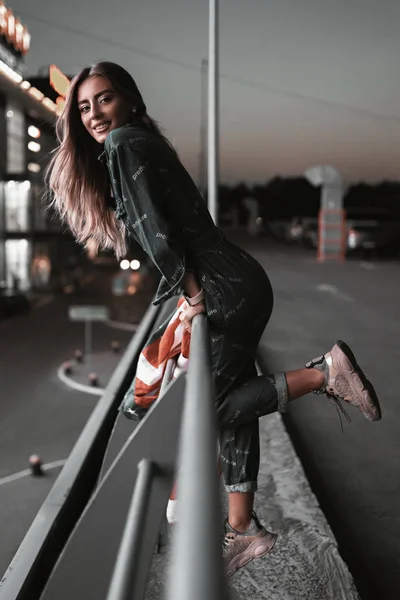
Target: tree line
(285, 198)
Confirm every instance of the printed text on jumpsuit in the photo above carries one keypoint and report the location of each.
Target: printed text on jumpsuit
(163, 211)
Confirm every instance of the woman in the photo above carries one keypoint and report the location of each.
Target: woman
(114, 174)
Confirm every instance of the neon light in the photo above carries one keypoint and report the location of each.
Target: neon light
(16, 77)
(60, 102)
(49, 104)
(58, 81)
(34, 131)
(12, 29)
(34, 167)
(37, 94)
(33, 146)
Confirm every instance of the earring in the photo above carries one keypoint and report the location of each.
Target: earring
(133, 110)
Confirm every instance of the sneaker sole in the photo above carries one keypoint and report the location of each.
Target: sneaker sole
(370, 407)
(255, 550)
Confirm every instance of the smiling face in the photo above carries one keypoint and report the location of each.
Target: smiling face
(101, 108)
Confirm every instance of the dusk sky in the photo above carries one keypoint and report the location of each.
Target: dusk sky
(302, 82)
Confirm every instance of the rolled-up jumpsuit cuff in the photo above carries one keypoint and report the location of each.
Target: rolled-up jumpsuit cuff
(282, 391)
(245, 486)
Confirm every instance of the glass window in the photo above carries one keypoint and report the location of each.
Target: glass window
(18, 253)
(17, 197)
(15, 139)
(41, 266)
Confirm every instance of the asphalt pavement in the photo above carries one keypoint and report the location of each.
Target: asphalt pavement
(355, 475)
(39, 414)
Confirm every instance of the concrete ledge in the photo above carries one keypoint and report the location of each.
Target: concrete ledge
(305, 563)
(102, 363)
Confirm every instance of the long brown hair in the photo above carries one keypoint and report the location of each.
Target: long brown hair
(78, 182)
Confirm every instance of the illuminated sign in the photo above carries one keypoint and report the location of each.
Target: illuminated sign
(13, 31)
(60, 102)
(60, 84)
(58, 81)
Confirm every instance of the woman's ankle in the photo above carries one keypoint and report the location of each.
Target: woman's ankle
(303, 381)
(318, 379)
(240, 523)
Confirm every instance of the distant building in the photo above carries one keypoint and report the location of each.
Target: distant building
(32, 247)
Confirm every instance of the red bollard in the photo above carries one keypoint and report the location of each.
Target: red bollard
(67, 366)
(35, 463)
(115, 346)
(93, 379)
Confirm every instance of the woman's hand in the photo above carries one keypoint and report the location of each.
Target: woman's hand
(187, 315)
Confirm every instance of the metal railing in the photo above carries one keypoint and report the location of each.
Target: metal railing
(43, 563)
(197, 571)
(125, 575)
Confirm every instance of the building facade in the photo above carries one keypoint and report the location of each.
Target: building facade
(33, 249)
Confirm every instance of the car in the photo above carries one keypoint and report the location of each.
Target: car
(309, 238)
(295, 231)
(364, 237)
(373, 238)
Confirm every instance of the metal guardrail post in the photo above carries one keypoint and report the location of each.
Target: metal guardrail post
(124, 578)
(168, 375)
(197, 572)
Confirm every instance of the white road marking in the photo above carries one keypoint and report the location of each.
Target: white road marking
(26, 472)
(81, 387)
(368, 266)
(332, 289)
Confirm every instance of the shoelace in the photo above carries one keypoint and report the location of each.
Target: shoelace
(228, 539)
(336, 402)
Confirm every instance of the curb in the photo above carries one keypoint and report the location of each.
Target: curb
(87, 389)
(80, 387)
(286, 499)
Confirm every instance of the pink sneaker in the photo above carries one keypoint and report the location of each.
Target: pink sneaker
(344, 380)
(240, 548)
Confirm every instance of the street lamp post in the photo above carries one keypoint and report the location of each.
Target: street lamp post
(213, 110)
(203, 127)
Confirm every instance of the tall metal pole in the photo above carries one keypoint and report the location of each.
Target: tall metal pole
(203, 128)
(213, 112)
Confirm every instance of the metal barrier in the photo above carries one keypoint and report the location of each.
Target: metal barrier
(125, 574)
(197, 571)
(196, 555)
(196, 549)
(125, 583)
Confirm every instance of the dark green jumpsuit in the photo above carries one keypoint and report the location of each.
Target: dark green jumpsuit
(165, 213)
